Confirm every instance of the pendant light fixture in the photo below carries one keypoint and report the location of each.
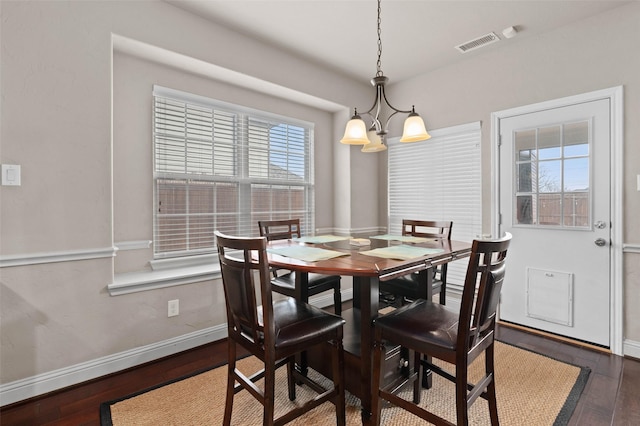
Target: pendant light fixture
(373, 136)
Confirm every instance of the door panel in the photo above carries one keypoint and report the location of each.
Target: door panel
(554, 199)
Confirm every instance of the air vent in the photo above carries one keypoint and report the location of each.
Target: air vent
(478, 42)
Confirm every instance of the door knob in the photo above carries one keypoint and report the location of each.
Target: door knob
(600, 242)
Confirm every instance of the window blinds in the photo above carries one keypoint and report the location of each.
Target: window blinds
(439, 179)
(223, 167)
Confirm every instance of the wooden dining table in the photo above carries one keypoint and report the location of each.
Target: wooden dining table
(374, 259)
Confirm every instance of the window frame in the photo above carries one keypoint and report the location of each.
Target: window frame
(243, 146)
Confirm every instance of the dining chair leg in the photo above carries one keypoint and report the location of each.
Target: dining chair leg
(269, 393)
(231, 381)
(427, 375)
(443, 294)
(337, 300)
(462, 413)
(291, 384)
(491, 388)
(338, 381)
(376, 404)
(417, 367)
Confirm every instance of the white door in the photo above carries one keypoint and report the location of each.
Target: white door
(555, 200)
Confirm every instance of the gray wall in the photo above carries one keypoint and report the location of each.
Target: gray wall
(76, 116)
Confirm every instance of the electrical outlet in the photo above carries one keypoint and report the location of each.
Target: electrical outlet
(173, 308)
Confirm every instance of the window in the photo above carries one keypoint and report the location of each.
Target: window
(439, 179)
(552, 176)
(223, 167)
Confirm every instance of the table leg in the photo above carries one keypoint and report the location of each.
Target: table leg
(426, 276)
(302, 294)
(367, 289)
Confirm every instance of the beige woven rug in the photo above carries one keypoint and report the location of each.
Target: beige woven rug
(531, 390)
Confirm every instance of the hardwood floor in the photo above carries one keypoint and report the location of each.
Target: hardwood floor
(611, 394)
(610, 397)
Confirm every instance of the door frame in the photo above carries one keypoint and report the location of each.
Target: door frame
(615, 96)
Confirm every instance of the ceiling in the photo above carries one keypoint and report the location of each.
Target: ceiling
(417, 35)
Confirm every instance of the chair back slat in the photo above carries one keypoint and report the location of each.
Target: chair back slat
(481, 293)
(427, 228)
(279, 229)
(241, 261)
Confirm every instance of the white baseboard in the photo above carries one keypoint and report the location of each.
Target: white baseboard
(68, 376)
(58, 379)
(631, 348)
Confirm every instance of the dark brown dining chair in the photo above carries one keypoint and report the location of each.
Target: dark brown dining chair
(458, 338)
(411, 287)
(273, 332)
(285, 282)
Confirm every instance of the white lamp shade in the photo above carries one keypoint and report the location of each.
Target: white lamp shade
(376, 144)
(355, 133)
(414, 129)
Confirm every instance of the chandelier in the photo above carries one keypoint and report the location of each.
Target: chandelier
(373, 135)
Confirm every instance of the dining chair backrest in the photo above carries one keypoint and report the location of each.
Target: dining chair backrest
(427, 228)
(481, 292)
(284, 229)
(240, 258)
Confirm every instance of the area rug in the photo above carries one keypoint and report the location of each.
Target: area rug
(532, 390)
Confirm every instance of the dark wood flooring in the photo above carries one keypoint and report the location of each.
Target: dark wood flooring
(611, 397)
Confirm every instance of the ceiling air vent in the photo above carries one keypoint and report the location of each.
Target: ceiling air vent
(478, 42)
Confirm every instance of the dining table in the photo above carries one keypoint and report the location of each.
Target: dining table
(368, 260)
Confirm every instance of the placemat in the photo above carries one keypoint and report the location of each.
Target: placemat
(306, 253)
(401, 252)
(402, 238)
(320, 239)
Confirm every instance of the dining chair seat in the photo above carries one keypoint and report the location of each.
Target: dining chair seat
(422, 326)
(301, 324)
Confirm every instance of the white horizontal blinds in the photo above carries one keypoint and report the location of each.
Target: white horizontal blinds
(279, 156)
(222, 167)
(439, 179)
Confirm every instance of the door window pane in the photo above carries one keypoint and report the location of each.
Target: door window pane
(525, 210)
(549, 140)
(526, 180)
(576, 174)
(576, 209)
(525, 142)
(550, 209)
(549, 176)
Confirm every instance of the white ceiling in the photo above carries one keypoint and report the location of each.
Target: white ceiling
(417, 35)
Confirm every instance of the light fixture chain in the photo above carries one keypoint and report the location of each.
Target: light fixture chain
(379, 63)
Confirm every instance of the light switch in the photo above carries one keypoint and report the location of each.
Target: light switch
(10, 175)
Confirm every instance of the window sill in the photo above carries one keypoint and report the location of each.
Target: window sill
(151, 280)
